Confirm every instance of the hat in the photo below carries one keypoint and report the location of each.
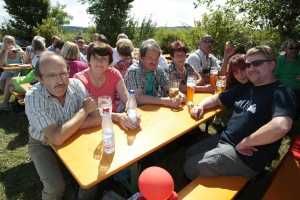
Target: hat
(78, 38)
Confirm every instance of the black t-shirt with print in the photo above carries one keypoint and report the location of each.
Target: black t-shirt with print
(255, 106)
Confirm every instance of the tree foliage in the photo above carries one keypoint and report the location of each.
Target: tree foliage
(144, 31)
(59, 15)
(111, 17)
(283, 16)
(26, 14)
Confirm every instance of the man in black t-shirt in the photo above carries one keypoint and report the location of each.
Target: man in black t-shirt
(264, 111)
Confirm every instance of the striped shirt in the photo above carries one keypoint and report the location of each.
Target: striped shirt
(189, 70)
(200, 62)
(43, 110)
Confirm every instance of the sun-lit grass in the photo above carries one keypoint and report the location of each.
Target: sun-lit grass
(19, 179)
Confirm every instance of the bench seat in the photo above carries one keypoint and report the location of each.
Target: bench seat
(219, 187)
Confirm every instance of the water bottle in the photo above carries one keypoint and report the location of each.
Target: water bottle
(132, 111)
(107, 132)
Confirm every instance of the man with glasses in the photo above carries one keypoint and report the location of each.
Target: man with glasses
(263, 112)
(202, 59)
(288, 69)
(56, 108)
(148, 79)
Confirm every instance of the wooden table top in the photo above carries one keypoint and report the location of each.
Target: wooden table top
(16, 67)
(285, 184)
(83, 152)
(25, 86)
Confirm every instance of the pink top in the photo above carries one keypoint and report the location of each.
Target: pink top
(76, 66)
(112, 77)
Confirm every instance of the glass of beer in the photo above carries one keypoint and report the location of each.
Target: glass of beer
(213, 75)
(174, 89)
(190, 85)
(220, 84)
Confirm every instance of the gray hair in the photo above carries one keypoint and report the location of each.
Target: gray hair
(264, 50)
(149, 44)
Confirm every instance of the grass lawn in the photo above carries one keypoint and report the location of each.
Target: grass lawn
(19, 179)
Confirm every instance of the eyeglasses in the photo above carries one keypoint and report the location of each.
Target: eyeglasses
(208, 41)
(101, 60)
(293, 48)
(255, 63)
(53, 76)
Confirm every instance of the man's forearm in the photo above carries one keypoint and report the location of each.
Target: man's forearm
(146, 99)
(269, 133)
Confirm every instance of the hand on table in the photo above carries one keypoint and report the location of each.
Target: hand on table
(197, 112)
(45, 141)
(126, 122)
(89, 104)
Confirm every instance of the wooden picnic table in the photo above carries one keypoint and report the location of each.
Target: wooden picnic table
(83, 153)
(25, 86)
(17, 67)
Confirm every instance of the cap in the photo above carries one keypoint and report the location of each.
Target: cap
(78, 38)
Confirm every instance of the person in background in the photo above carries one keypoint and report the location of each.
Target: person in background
(180, 70)
(202, 59)
(249, 45)
(54, 41)
(94, 38)
(56, 108)
(149, 81)
(80, 43)
(288, 69)
(38, 45)
(8, 55)
(101, 79)
(102, 38)
(263, 112)
(116, 56)
(70, 52)
(59, 45)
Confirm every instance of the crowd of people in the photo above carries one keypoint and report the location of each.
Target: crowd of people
(262, 89)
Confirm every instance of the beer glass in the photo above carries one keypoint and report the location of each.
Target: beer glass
(104, 101)
(190, 85)
(174, 89)
(213, 75)
(220, 84)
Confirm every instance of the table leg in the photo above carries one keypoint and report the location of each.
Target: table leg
(134, 177)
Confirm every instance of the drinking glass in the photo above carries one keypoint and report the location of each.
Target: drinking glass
(174, 89)
(220, 84)
(213, 75)
(104, 101)
(190, 85)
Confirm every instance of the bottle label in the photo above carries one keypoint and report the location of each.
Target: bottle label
(132, 114)
(108, 140)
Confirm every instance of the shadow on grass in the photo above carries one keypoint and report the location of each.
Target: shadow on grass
(21, 182)
(12, 123)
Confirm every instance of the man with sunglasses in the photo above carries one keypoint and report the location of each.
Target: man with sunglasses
(202, 59)
(263, 112)
(288, 69)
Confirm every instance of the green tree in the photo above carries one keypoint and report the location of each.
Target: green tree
(145, 31)
(111, 17)
(279, 15)
(59, 15)
(26, 14)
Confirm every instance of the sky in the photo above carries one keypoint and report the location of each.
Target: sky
(165, 12)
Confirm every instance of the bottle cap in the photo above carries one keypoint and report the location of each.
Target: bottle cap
(131, 92)
(105, 109)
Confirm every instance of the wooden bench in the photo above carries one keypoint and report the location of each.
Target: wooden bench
(19, 93)
(219, 187)
(21, 102)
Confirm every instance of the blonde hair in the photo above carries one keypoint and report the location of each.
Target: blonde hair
(38, 43)
(125, 47)
(70, 51)
(6, 37)
(264, 50)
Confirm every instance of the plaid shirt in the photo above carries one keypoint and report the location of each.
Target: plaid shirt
(189, 70)
(200, 62)
(43, 110)
(135, 78)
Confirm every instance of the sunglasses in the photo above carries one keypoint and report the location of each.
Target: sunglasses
(293, 48)
(255, 63)
(208, 41)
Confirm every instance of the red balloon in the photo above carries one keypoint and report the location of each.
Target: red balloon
(155, 183)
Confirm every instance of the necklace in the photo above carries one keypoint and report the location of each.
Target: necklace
(180, 70)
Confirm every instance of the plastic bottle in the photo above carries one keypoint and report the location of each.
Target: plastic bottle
(107, 132)
(132, 111)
